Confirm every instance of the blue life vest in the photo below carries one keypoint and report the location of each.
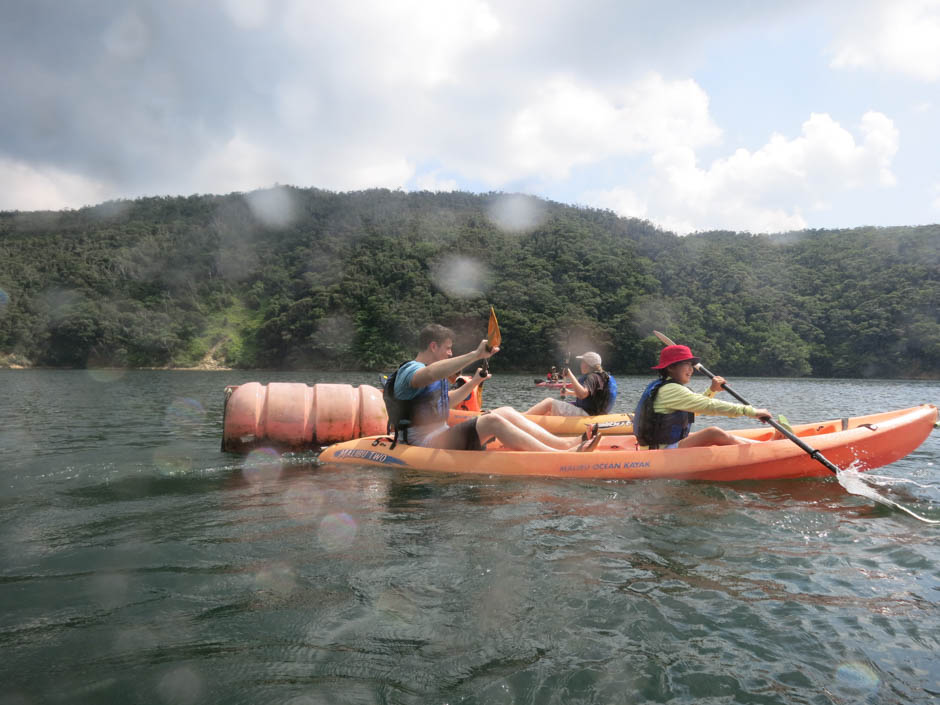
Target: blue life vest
(602, 401)
(432, 404)
(656, 430)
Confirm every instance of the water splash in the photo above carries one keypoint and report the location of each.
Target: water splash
(172, 461)
(853, 483)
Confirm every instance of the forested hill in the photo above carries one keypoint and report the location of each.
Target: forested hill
(306, 279)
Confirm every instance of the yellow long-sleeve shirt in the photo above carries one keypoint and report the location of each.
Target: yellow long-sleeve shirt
(676, 397)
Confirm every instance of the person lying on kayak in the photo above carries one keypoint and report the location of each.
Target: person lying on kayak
(595, 391)
(420, 397)
(667, 408)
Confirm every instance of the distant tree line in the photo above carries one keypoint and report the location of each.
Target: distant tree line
(308, 279)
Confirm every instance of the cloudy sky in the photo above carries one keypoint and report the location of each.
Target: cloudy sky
(759, 116)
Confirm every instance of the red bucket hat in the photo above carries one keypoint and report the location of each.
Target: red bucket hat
(671, 354)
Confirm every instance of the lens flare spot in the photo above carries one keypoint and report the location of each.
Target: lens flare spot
(461, 277)
(135, 639)
(106, 375)
(303, 502)
(185, 414)
(109, 590)
(857, 675)
(262, 465)
(277, 578)
(337, 531)
(273, 207)
(182, 686)
(516, 213)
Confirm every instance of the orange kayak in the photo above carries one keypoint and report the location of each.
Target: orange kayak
(862, 443)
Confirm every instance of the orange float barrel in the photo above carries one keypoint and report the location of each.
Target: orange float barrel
(298, 416)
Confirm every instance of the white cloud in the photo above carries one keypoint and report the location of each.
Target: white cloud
(897, 35)
(935, 195)
(434, 183)
(240, 165)
(621, 200)
(414, 42)
(390, 172)
(770, 189)
(245, 165)
(37, 187)
(590, 104)
(569, 123)
(296, 105)
(247, 14)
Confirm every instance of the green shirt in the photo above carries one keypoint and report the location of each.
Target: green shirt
(676, 397)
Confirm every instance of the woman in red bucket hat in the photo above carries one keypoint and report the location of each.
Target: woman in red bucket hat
(667, 408)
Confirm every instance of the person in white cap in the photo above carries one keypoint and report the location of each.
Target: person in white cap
(595, 392)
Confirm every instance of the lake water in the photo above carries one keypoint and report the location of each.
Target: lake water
(142, 565)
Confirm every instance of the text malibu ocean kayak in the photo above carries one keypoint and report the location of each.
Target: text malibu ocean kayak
(860, 443)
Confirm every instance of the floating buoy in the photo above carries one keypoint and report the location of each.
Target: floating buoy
(297, 416)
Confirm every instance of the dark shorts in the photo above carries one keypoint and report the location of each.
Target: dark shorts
(463, 436)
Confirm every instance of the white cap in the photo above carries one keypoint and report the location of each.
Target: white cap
(592, 359)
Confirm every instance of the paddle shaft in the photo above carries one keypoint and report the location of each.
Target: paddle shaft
(812, 452)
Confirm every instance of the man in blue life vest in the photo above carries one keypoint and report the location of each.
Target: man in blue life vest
(422, 385)
(667, 408)
(595, 391)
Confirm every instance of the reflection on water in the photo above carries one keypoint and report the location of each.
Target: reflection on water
(140, 564)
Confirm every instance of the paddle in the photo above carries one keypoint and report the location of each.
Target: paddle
(493, 339)
(564, 375)
(845, 479)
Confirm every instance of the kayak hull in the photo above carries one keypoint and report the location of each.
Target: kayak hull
(866, 442)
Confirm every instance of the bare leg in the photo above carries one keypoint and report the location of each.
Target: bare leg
(542, 408)
(508, 434)
(712, 436)
(533, 429)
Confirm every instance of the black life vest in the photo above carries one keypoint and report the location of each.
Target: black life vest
(398, 410)
(602, 401)
(656, 430)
